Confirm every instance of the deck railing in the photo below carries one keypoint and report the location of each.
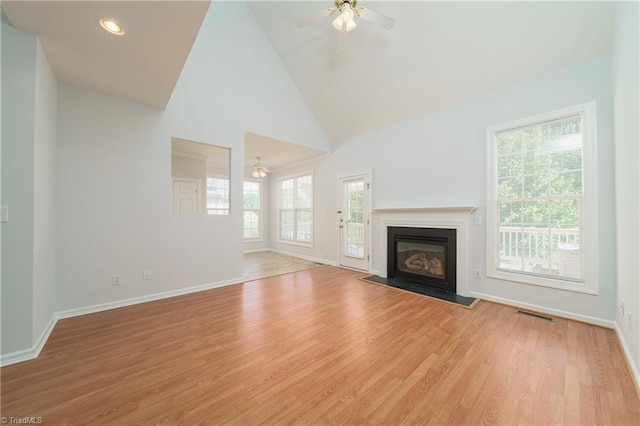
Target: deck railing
(535, 244)
(355, 232)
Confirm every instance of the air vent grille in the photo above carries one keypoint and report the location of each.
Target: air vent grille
(533, 314)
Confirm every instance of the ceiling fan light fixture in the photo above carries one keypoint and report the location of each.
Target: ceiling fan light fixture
(350, 25)
(338, 23)
(259, 174)
(345, 21)
(259, 171)
(347, 12)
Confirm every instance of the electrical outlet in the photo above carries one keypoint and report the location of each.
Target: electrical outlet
(629, 320)
(116, 279)
(622, 308)
(477, 273)
(146, 274)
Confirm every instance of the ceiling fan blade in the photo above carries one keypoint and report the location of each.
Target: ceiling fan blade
(310, 20)
(375, 18)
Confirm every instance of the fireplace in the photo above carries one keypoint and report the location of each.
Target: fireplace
(424, 256)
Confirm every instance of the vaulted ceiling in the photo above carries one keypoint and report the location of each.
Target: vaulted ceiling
(437, 54)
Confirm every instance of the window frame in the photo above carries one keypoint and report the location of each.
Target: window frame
(227, 210)
(259, 211)
(589, 233)
(279, 210)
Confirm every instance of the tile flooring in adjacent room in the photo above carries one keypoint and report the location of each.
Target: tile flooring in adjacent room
(269, 264)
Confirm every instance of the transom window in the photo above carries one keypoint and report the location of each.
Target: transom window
(295, 209)
(539, 195)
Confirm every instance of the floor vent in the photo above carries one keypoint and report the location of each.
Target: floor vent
(531, 314)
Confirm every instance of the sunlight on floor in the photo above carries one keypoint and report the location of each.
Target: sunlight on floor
(268, 264)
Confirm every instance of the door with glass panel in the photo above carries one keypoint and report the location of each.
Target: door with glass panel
(354, 222)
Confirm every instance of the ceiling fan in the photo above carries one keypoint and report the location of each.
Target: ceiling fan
(259, 170)
(348, 11)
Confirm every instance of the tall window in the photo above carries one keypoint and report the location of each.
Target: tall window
(217, 195)
(541, 196)
(252, 215)
(295, 201)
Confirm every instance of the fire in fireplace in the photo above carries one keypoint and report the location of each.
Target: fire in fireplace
(425, 256)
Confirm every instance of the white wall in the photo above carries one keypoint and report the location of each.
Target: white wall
(2, 21)
(438, 159)
(18, 102)
(29, 103)
(190, 168)
(114, 167)
(626, 92)
(46, 107)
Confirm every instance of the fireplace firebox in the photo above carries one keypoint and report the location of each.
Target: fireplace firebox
(424, 256)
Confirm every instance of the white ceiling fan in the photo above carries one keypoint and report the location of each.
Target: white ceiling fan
(346, 19)
(259, 170)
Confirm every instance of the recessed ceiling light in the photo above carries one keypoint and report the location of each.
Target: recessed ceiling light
(112, 26)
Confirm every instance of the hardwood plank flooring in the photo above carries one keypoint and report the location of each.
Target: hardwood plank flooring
(321, 346)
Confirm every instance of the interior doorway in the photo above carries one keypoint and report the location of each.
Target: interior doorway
(186, 198)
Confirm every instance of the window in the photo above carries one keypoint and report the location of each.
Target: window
(217, 195)
(541, 207)
(252, 207)
(295, 214)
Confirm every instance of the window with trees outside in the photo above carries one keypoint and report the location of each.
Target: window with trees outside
(217, 195)
(252, 205)
(295, 209)
(542, 207)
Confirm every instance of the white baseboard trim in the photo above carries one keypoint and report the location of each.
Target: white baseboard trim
(301, 256)
(550, 311)
(33, 352)
(143, 299)
(633, 368)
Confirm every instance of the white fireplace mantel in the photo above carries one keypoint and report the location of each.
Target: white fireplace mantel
(451, 210)
(447, 217)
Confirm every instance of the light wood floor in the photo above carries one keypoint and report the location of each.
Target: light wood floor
(321, 347)
(266, 264)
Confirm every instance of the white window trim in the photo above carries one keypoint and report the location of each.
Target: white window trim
(221, 177)
(590, 283)
(260, 214)
(313, 195)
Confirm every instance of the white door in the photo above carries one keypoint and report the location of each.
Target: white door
(185, 196)
(354, 222)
